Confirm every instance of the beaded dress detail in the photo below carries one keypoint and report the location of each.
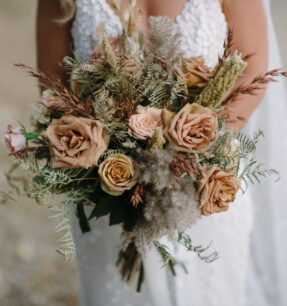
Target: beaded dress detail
(203, 27)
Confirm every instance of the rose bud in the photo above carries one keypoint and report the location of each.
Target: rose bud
(14, 139)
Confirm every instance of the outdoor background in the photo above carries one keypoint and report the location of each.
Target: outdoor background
(31, 272)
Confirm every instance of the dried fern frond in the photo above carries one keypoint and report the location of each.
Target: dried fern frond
(104, 106)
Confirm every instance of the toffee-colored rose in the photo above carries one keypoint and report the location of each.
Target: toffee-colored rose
(144, 122)
(193, 128)
(216, 190)
(14, 139)
(117, 174)
(76, 142)
(196, 74)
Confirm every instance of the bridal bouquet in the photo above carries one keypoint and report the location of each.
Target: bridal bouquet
(140, 136)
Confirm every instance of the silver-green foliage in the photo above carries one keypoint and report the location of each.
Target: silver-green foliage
(186, 241)
(45, 185)
(254, 171)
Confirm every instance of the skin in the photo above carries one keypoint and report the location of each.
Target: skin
(250, 36)
(53, 38)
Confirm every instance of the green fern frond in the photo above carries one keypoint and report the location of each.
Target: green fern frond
(62, 212)
(186, 241)
(254, 172)
(70, 63)
(118, 130)
(248, 144)
(167, 258)
(66, 245)
(111, 152)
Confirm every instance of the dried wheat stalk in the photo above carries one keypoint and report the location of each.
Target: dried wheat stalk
(258, 83)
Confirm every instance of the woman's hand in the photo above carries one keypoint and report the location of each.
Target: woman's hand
(248, 19)
(53, 38)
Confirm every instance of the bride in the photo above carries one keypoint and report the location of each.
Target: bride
(249, 270)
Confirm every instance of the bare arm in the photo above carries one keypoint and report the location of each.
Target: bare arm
(53, 38)
(250, 36)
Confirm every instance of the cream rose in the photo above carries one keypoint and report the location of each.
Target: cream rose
(76, 142)
(216, 190)
(14, 139)
(143, 124)
(117, 174)
(193, 128)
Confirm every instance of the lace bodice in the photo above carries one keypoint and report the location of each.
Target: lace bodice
(201, 22)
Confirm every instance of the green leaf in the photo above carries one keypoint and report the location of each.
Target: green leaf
(42, 154)
(119, 208)
(131, 218)
(104, 205)
(83, 220)
(118, 213)
(39, 179)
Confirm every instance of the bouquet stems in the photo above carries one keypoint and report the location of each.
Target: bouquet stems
(131, 263)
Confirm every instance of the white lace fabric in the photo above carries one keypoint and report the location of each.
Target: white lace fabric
(204, 29)
(201, 22)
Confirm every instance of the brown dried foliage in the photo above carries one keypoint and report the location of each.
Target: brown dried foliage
(259, 83)
(63, 100)
(181, 166)
(228, 44)
(126, 106)
(137, 196)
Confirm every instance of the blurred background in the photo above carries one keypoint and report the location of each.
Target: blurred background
(31, 272)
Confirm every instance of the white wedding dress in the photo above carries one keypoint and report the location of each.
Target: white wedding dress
(223, 282)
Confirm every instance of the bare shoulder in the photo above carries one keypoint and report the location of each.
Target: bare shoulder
(53, 37)
(247, 17)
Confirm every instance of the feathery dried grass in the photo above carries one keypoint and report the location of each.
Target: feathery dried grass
(170, 205)
(258, 83)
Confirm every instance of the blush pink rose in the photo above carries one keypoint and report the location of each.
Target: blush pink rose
(143, 124)
(14, 139)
